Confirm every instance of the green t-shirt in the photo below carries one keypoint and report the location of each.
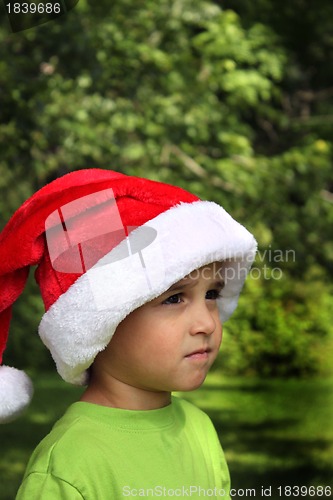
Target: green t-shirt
(100, 453)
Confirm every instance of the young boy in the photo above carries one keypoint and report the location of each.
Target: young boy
(137, 278)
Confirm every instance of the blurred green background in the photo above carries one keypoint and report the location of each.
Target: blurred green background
(231, 100)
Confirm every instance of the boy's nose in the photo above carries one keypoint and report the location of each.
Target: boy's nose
(203, 321)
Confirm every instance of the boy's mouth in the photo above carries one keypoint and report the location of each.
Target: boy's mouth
(199, 353)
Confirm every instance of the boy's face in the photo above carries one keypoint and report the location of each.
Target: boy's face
(170, 343)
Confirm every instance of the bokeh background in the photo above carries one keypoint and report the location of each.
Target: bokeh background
(231, 100)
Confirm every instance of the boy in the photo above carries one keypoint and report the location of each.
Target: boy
(136, 277)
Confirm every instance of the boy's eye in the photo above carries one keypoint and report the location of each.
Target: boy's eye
(213, 294)
(174, 299)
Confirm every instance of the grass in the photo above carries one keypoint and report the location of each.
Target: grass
(274, 432)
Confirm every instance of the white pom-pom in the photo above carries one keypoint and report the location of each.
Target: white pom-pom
(16, 391)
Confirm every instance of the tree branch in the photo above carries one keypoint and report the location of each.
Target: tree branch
(326, 195)
(195, 168)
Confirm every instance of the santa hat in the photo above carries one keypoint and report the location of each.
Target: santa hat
(104, 244)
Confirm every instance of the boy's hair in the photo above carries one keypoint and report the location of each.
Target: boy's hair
(104, 244)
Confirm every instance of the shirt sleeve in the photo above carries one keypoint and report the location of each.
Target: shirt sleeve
(42, 486)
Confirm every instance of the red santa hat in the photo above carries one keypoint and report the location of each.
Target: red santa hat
(104, 244)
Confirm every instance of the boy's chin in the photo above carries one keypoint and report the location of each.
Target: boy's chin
(190, 385)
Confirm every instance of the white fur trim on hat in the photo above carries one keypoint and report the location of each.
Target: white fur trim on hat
(153, 257)
(16, 392)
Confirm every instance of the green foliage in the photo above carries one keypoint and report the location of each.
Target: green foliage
(281, 326)
(25, 346)
(226, 101)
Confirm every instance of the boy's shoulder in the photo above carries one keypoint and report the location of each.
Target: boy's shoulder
(65, 439)
(188, 407)
(194, 416)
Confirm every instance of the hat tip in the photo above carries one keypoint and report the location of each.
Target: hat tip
(16, 392)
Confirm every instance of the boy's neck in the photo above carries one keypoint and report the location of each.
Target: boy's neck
(116, 394)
